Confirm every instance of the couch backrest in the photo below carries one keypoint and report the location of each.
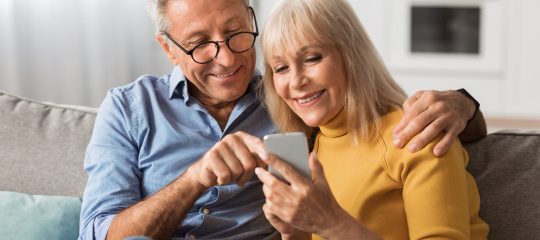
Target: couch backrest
(42, 150)
(42, 146)
(506, 166)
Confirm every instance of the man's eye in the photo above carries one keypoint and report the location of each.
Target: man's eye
(232, 32)
(196, 42)
(315, 58)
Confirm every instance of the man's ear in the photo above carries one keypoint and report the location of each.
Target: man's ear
(165, 47)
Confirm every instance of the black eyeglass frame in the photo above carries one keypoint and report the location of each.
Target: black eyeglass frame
(217, 43)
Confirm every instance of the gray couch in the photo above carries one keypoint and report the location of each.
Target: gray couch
(42, 149)
(41, 153)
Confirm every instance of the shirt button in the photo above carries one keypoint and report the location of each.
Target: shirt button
(206, 211)
(191, 236)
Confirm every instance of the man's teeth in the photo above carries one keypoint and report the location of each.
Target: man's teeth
(309, 99)
(225, 75)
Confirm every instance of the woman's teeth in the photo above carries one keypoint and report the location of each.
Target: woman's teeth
(310, 98)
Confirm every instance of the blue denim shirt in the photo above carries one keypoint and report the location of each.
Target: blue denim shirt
(149, 132)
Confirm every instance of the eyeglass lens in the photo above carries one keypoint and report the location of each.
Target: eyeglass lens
(238, 43)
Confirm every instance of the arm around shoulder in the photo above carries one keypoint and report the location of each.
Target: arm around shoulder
(475, 128)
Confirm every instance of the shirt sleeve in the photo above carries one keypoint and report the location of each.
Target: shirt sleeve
(436, 194)
(111, 163)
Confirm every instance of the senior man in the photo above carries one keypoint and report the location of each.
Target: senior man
(174, 156)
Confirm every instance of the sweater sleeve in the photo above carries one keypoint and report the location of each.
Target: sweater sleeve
(436, 193)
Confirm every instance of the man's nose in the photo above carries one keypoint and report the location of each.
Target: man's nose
(225, 56)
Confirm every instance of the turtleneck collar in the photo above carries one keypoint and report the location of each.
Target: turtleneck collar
(337, 126)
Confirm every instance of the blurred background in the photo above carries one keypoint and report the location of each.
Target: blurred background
(73, 51)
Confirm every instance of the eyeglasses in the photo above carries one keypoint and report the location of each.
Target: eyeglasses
(207, 51)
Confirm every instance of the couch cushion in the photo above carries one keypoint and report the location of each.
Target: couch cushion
(506, 166)
(42, 146)
(26, 216)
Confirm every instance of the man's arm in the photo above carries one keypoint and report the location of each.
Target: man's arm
(428, 113)
(233, 159)
(112, 205)
(475, 130)
(159, 215)
(476, 126)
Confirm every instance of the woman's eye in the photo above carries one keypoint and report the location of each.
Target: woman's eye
(315, 58)
(279, 69)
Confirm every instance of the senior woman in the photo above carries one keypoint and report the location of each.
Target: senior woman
(322, 72)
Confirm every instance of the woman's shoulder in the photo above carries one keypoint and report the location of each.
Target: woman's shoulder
(397, 159)
(388, 123)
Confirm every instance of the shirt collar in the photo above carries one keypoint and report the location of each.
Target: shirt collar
(178, 84)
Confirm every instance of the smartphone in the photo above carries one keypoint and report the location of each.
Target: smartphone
(292, 148)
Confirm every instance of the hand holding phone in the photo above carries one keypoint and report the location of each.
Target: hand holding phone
(291, 148)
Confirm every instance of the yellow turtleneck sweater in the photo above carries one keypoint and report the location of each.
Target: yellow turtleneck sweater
(397, 194)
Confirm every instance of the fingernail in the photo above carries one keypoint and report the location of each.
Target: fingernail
(264, 156)
(413, 147)
(257, 170)
(437, 152)
(397, 142)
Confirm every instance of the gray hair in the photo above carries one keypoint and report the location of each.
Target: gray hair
(157, 9)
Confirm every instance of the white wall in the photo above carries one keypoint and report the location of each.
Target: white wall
(511, 91)
(73, 51)
(523, 80)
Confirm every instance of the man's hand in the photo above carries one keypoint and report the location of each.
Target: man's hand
(233, 159)
(427, 114)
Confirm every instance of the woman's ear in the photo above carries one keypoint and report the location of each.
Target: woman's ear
(165, 47)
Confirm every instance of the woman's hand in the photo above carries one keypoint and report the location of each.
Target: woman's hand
(287, 231)
(303, 205)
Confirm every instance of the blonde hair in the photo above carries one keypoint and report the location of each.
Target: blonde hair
(371, 91)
